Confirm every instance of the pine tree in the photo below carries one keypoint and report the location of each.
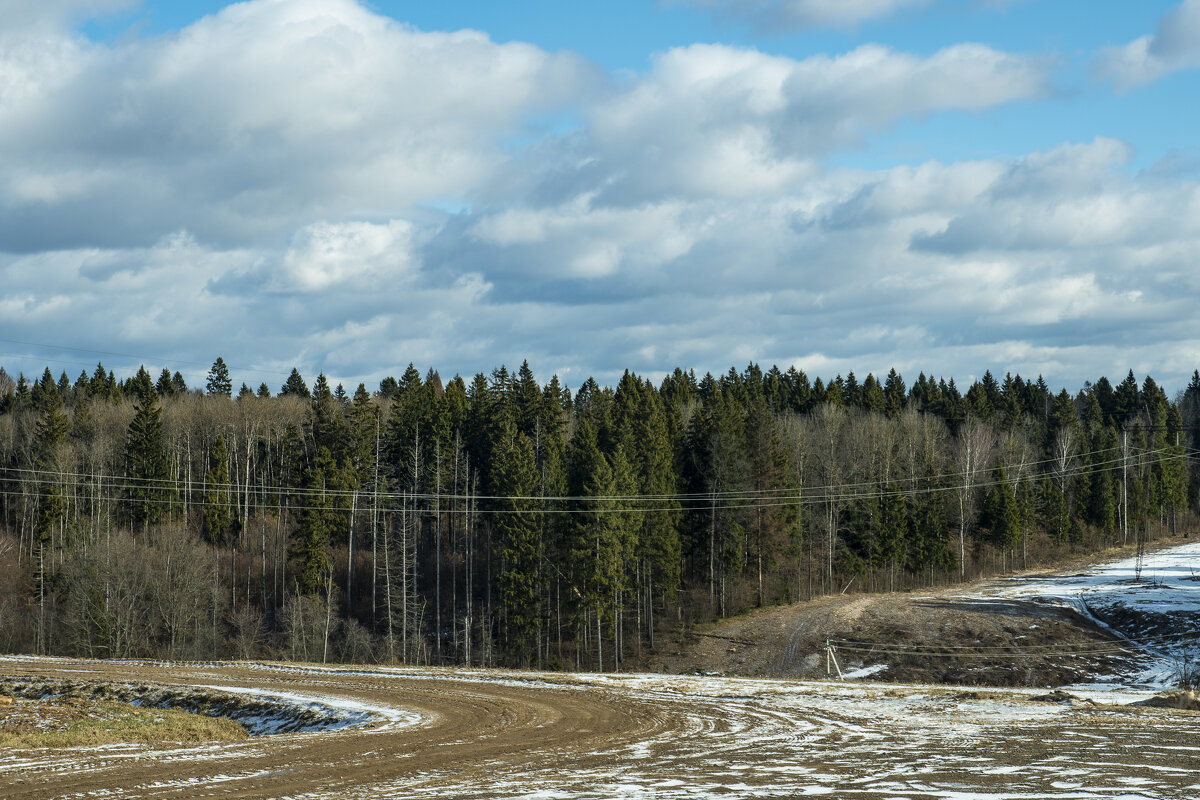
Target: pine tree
(659, 538)
(328, 423)
(871, 396)
(98, 385)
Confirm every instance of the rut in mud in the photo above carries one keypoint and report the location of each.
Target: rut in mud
(502, 734)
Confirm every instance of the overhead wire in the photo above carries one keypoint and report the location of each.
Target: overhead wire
(790, 497)
(579, 504)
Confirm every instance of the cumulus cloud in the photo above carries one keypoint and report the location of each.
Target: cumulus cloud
(724, 121)
(308, 183)
(1175, 45)
(801, 14)
(347, 255)
(1072, 197)
(262, 117)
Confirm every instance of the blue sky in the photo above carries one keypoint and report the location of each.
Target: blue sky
(944, 186)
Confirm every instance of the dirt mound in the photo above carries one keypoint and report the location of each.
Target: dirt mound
(1183, 699)
(903, 637)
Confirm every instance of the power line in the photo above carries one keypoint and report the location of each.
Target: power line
(582, 504)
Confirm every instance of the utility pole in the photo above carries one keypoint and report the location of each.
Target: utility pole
(829, 656)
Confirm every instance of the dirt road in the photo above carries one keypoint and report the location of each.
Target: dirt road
(505, 734)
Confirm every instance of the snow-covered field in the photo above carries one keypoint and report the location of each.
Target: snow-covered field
(1153, 601)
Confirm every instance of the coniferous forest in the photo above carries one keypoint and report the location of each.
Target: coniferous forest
(503, 521)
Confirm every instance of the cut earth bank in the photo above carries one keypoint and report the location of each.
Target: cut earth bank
(1108, 622)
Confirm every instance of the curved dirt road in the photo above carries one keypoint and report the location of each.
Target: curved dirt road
(506, 734)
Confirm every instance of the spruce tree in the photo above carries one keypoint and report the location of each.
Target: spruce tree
(50, 437)
(218, 383)
(518, 539)
(1001, 516)
(894, 394)
(322, 520)
(163, 385)
(217, 513)
(295, 386)
(148, 475)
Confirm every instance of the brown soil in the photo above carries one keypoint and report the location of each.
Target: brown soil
(954, 635)
(505, 734)
(939, 638)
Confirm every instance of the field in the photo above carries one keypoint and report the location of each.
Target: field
(400, 733)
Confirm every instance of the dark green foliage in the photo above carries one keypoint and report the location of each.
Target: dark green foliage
(1055, 518)
(517, 529)
(512, 516)
(295, 386)
(218, 382)
(1001, 517)
(164, 385)
(323, 520)
(151, 490)
(218, 499)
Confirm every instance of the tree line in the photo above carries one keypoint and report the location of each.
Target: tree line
(507, 521)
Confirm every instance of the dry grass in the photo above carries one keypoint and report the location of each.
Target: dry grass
(82, 723)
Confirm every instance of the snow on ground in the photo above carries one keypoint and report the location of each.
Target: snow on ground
(288, 712)
(1152, 600)
(749, 738)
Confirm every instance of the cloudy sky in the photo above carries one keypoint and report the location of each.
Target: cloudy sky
(944, 186)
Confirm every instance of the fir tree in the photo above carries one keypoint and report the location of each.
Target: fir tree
(217, 513)
(218, 383)
(295, 386)
(518, 538)
(322, 520)
(1001, 517)
(146, 468)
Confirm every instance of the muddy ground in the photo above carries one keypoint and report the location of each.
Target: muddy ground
(921, 638)
(961, 635)
(471, 733)
(496, 734)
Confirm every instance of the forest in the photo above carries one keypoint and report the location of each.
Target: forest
(503, 521)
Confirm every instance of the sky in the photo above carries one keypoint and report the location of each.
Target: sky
(938, 186)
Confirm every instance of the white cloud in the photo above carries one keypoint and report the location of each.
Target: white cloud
(257, 120)
(800, 14)
(714, 120)
(348, 255)
(1074, 196)
(591, 242)
(263, 185)
(1175, 45)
